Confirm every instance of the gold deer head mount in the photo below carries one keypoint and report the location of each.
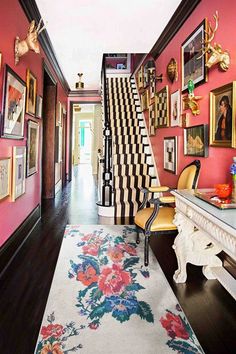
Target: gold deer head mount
(30, 42)
(216, 55)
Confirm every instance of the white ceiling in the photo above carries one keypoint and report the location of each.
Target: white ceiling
(82, 30)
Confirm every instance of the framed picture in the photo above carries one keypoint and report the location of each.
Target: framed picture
(152, 119)
(12, 122)
(152, 87)
(196, 140)
(39, 106)
(120, 66)
(193, 63)
(145, 100)
(31, 83)
(170, 154)
(18, 179)
(175, 109)
(145, 75)
(140, 78)
(222, 115)
(5, 177)
(58, 142)
(32, 148)
(162, 108)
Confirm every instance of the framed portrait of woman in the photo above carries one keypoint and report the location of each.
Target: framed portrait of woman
(196, 140)
(222, 116)
(31, 83)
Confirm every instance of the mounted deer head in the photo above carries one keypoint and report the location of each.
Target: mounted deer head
(216, 54)
(30, 42)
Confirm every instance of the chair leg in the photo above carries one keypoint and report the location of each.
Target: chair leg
(146, 250)
(137, 237)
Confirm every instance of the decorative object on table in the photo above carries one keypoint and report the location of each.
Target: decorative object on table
(190, 101)
(172, 70)
(196, 140)
(39, 106)
(137, 303)
(32, 148)
(223, 190)
(19, 167)
(140, 77)
(5, 177)
(222, 115)
(152, 119)
(30, 42)
(31, 83)
(216, 55)
(209, 196)
(170, 154)
(145, 100)
(193, 63)
(162, 108)
(175, 109)
(233, 173)
(12, 124)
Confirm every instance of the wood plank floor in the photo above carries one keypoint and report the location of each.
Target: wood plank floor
(24, 287)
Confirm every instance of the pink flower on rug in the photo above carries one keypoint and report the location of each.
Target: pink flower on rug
(87, 237)
(115, 254)
(52, 330)
(93, 325)
(113, 280)
(91, 249)
(53, 348)
(174, 326)
(87, 277)
(128, 249)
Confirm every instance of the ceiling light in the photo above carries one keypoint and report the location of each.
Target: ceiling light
(79, 85)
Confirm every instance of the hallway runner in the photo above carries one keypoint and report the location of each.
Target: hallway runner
(102, 300)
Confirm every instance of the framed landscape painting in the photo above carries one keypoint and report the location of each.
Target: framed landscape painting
(19, 166)
(170, 154)
(32, 148)
(14, 96)
(193, 62)
(5, 177)
(196, 140)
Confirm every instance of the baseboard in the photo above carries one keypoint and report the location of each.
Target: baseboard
(11, 247)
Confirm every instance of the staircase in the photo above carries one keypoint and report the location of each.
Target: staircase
(133, 167)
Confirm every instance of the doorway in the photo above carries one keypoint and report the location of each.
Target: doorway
(85, 141)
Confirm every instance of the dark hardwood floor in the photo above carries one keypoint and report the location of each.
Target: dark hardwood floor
(24, 287)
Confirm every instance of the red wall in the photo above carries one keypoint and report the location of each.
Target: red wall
(215, 168)
(13, 22)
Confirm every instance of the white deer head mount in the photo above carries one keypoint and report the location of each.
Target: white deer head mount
(215, 52)
(30, 42)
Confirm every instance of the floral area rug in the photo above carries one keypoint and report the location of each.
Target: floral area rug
(102, 300)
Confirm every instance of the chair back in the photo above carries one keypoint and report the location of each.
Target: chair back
(188, 178)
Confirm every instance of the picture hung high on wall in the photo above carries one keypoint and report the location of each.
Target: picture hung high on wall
(196, 140)
(193, 62)
(152, 118)
(31, 83)
(19, 166)
(14, 96)
(175, 109)
(140, 78)
(222, 115)
(170, 154)
(32, 148)
(162, 108)
(145, 100)
(5, 177)
(39, 106)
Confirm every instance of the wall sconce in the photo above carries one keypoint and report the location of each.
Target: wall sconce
(79, 85)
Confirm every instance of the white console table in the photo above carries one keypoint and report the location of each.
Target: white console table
(203, 232)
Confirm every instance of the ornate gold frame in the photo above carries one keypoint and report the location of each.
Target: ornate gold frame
(31, 83)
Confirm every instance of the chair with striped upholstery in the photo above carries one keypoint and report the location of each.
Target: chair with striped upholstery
(159, 218)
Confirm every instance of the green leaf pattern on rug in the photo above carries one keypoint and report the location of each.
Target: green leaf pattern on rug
(106, 269)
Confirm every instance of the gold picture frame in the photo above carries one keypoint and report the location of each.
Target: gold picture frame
(162, 108)
(31, 84)
(5, 177)
(140, 78)
(145, 100)
(222, 116)
(152, 119)
(32, 148)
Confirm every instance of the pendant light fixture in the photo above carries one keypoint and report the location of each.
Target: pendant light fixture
(79, 85)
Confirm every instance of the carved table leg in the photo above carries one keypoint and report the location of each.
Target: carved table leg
(193, 246)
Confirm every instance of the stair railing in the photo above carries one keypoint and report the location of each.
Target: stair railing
(106, 197)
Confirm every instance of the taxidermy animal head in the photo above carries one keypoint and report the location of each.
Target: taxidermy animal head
(215, 52)
(30, 42)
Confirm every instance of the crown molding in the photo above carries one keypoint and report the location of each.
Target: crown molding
(181, 14)
(84, 93)
(31, 11)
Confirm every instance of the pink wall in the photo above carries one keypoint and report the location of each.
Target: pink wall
(215, 168)
(13, 22)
